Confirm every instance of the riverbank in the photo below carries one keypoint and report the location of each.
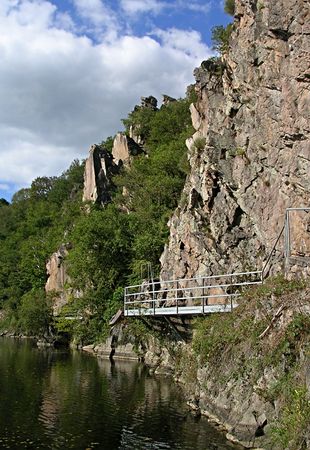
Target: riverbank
(56, 399)
(248, 371)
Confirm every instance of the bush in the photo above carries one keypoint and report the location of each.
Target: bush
(290, 430)
(220, 38)
(34, 313)
(229, 7)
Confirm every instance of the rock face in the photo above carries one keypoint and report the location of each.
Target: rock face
(124, 147)
(101, 165)
(57, 277)
(135, 130)
(250, 155)
(99, 168)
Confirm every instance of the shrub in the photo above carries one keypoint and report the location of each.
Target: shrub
(289, 431)
(34, 313)
(200, 143)
(229, 7)
(220, 37)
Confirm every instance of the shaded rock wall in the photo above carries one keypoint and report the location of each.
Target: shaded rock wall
(58, 277)
(99, 168)
(124, 147)
(250, 155)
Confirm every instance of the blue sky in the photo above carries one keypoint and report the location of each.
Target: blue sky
(71, 69)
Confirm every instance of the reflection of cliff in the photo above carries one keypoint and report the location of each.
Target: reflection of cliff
(49, 410)
(62, 400)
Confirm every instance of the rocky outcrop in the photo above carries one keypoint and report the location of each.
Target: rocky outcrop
(56, 270)
(250, 155)
(99, 168)
(148, 102)
(124, 148)
(58, 277)
(135, 131)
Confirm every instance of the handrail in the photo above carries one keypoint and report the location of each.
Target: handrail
(271, 253)
(146, 300)
(155, 288)
(149, 283)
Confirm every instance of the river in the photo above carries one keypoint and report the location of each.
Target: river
(56, 399)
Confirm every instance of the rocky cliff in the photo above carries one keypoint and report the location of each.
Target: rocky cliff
(99, 168)
(250, 155)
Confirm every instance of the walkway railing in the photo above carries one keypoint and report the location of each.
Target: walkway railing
(200, 295)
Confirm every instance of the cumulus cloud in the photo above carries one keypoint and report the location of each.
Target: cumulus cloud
(61, 91)
(132, 7)
(4, 187)
(136, 7)
(100, 18)
(186, 42)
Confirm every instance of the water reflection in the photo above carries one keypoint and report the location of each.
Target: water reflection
(60, 400)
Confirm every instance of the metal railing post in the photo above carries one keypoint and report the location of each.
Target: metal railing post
(125, 306)
(231, 282)
(203, 295)
(176, 297)
(153, 296)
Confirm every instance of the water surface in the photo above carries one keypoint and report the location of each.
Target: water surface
(69, 400)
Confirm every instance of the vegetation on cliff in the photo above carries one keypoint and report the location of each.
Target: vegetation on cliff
(31, 227)
(262, 349)
(250, 368)
(109, 243)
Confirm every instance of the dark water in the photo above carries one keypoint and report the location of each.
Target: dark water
(68, 400)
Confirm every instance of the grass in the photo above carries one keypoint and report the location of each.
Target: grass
(291, 428)
(232, 348)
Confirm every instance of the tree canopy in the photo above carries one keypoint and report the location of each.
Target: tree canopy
(108, 243)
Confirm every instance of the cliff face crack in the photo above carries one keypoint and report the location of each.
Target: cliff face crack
(295, 137)
(236, 219)
(251, 183)
(215, 191)
(279, 33)
(303, 157)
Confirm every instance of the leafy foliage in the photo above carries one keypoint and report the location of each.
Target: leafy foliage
(108, 244)
(290, 429)
(154, 183)
(220, 38)
(34, 313)
(31, 228)
(229, 7)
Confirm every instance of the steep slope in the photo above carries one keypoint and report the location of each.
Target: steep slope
(250, 155)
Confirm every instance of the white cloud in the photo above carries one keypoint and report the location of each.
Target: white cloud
(198, 7)
(102, 20)
(136, 7)
(132, 7)
(60, 92)
(187, 42)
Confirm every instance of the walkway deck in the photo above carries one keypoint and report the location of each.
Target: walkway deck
(191, 296)
(208, 294)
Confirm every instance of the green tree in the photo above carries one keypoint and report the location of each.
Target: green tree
(3, 202)
(34, 313)
(99, 259)
(220, 38)
(229, 7)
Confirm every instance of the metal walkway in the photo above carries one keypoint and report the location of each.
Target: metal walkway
(208, 294)
(189, 296)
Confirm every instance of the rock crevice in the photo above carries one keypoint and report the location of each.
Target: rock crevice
(252, 114)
